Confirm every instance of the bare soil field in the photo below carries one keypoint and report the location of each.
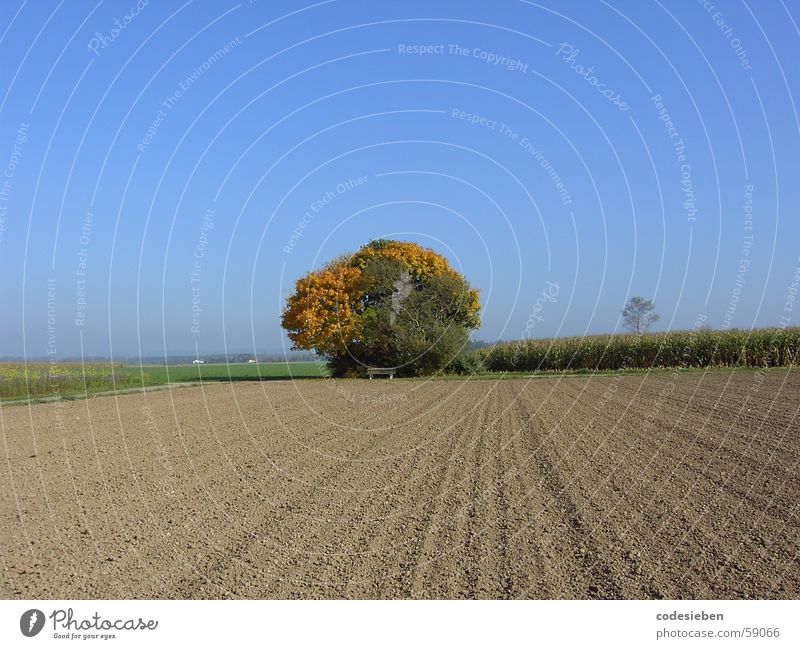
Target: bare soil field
(577, 487)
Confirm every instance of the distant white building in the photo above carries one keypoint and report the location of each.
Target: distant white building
(198, 361)
(252, 360)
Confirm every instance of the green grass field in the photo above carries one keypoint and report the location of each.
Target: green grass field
(44, 381)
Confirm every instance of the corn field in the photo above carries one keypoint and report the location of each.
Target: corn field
(18, 380)
(776, 347)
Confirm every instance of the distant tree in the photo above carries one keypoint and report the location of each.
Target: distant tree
(639, 314)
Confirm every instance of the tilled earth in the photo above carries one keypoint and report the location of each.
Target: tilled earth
(670, 486)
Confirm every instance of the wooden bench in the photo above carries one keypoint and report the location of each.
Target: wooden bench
(380, 371)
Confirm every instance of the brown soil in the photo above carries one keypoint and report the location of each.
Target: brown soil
(605, 487)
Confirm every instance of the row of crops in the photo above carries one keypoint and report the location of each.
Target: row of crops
(703, 348)
(19, 380)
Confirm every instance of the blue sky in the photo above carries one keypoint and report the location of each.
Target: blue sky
(161, 173)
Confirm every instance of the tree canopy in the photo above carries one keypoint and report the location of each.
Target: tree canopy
(391, 304)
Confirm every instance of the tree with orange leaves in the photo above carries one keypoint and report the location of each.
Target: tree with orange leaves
(391, 304)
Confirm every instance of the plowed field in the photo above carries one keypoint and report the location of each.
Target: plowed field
(604, 487)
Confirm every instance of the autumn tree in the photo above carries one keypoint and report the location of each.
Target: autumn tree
(391, 304)
(639, 315)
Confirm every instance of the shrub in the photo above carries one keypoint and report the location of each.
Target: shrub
(468, 363)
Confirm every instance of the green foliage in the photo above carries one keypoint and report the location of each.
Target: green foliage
(429, 327)
(417, 325)
(467, 363)
(702, 348)
(379, 244)
(418, 329)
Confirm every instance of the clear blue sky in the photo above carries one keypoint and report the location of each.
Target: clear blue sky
(196, 136)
